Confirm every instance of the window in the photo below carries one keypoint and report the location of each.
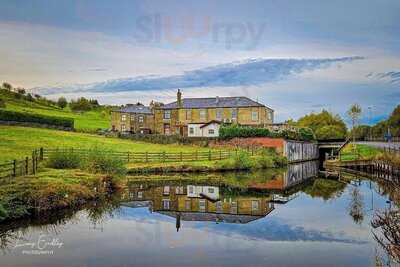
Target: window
(166, 129)
(219, 114)
(211, 190)
(141, 118)
(234, 113)
(202, 205)
(166, 190)
(123, 117)
(255, 205)
(123, 128)
(234, 208)
(210, 131)
(188, 114)
(269, 115)
(191, 189)
(254, 115)
(179, 190)
(191, 130)
(202, 114)
(140, 194)
(167, 114)
(132, 117)
(166, 204)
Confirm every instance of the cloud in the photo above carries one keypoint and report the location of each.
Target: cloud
(392, 77)
(243, 73)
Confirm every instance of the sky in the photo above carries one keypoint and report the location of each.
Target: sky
(296, 57)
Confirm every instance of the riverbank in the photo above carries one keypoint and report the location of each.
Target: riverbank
(50, 190)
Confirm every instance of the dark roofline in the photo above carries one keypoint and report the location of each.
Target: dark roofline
(208, 123)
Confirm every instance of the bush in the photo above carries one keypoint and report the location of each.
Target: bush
(3, 213)
(2, 103)
(64, 160)
(62, 102)
(265, 159)
(241, 161)
(6, 115)
(101, 161)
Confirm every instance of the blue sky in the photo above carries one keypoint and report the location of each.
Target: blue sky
(295, 56)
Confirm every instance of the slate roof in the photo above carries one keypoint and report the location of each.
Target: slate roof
(135, 109)
(215, 102)
(213, 217)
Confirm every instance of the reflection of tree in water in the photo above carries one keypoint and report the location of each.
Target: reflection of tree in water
(388, 222)
(325, 189)
(356, 206)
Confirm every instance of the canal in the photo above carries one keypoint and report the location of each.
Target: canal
(288, 217)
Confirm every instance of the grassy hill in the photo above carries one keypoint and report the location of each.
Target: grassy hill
(18, 142)
(85, 121)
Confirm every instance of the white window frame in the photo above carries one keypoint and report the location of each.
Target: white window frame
(234, 113)
(166, 204)
(191, 130)
(141, 118)
(255, 205)
(219, 113)
(254, 115)
(123, 117)
(203, 114)
(202, 205)
(167, 114)
(123, 128)
(211, 131)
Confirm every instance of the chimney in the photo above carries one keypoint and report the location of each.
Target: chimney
(179, 98)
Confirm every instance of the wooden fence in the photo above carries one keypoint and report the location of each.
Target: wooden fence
(146, 157)
(27, 166)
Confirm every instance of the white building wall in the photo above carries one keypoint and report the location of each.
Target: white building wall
(206, 130)
(196, 130)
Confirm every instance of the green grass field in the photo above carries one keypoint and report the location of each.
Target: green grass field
(18, 142)
(91, 120)
(363, 152)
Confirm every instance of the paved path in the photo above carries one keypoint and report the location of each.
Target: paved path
(380, 144)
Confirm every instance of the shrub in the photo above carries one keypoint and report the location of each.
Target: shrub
(2, 103)
(64, 160)
(241, 161)
(62, 102)
(3, 213)
(265, 159)
(6, 115)
(102, 161)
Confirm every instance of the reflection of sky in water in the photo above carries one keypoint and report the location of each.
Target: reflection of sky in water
(303, 232)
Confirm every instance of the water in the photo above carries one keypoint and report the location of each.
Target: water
(278, 218)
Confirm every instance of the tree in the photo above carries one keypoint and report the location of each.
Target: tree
(354, 113)
(356, 206)
(62, 102)
(7, 86)
(324, 124)
(21, 91)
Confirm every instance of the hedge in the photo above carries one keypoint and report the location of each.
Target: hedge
(232, 131)
(6, 115)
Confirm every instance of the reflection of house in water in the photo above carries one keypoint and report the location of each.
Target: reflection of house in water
(294, 175)
(199, 203)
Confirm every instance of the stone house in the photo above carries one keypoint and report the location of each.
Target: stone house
(133, 118)
(175, 117)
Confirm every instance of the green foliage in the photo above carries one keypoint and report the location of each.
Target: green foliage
(165, 139)
(62, 102)
(231, 131)
(7, 86)
(3, 213)
(64, 160)
(6, 115)
(392, 123)
(100, 161)
(361, 132)
(83, 104)
(266, 159)
(21, 91)
(241, 161)
(2, 103)
(325, 189)
(330, 132)
(318, 122)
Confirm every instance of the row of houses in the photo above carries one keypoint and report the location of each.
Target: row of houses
(192, 117)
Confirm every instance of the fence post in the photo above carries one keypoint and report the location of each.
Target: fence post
(220, 154)
(209, 154)
(26, 165)
(147, 157)
(197, 155)
(33, 162)
(163, 156)
(14, 168)
(41, 153)
(128, 156)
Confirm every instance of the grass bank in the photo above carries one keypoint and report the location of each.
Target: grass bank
(354, 152)
(18, 142)
(51, 189)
